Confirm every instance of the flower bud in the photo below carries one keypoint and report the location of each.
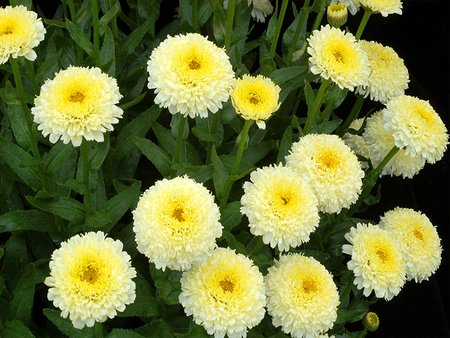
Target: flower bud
(371, 321)
(337, 14)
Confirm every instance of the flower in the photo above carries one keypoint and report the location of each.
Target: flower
(176, 223)
(416, 127)
(78, 102)
(376, 261)
(90, 279)
(388, 74)
(261, 9)
(255, 98)
(352, 5)
(302, 297)
(380, 141)
(337, 14)
(20, 31)
(225, 294)
(336, 55)
(190, 75)
(356, 141)
(418, 239)
(385, 7)
(280, 206)
(330, 167)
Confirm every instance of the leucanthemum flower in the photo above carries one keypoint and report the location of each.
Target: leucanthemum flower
(260, 8)
(376, 261)
(280, 206)
(356, 142)
(388, 74)
(330, 167)
(255, 98)
(302, 297)
(337, 56)
(79, 102)
(176, 223)
(90, 279)
(418, 240)
(384, 7)
(190, 75)
(225, 294)
(20, 31)
(380, 141)
(416, 127)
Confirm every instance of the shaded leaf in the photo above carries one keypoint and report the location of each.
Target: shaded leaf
(26, 220)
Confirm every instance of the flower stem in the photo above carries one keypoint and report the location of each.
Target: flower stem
(319, 16)
(195, 15)
(301, 20)
(363, 23)
(94, 7)
(230, 19)
(84, 153)
(275, 37)
(353, 115)
(242, 145)
(114, 20)
(316, 105)
(176, 155)
(73, 13)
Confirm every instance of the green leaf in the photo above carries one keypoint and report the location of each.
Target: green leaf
(79, 38)
(285, 145)
(65, 326)
(135, 38)
(231, 216)
(15, 329)
(157, 328)
(233, 243)
(199, 173)
(220, 175)
(108, 53)
(118, 205)
(64, 207)
(282, 75)
(309, 95)
(26, 220)
(145, 304)
(154, 154)
(21, 304)
(105, 19)
(122, 333)
(99, 220)
(167, 284)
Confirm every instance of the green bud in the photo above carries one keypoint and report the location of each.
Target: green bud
(371, 321)
(337, 14)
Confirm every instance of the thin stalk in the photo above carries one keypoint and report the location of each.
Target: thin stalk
(353, 114)
(363, 23)
(316, 105)
(114, 20)
(84, 154)
(242, 145)
(176, 155)
(298, 29)
(195, 15)
(94, 7)
(230, 18)
(275, 37)
(73, 13)
(319, 16)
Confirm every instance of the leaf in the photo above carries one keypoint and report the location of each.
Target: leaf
(108, 53)
(231, 216)
(167, 283)
(309, 95)
(26, 220)
(105, 19)
(157, 328)
(154, 154)
(64, 207)
(233, 243)
(220, 175)
(122, 333)
(21, 304)
(65, 326)
(145, 304)
(282, 75)
(285, 144)
(135, 38)
(118, 205)
(79, 38)
(15, 329)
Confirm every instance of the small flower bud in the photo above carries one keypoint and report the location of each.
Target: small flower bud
(371, 321)
(337, 14)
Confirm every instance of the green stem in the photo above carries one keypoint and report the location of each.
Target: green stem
(84, 153)
(195, 16)
(316, 105)
(230, 19)
(363, 23)
(176, 155)
(243, 143)
(298, 29)
(211, 144)
(319, 16)
(94, 7)
(353, 115)
(114, 20)
(275, 37)
(73, 13)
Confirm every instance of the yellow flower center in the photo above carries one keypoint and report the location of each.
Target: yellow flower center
(382, 255)
(178, 214)
(328, 160)
(76, 97)
(6, 30)
(194, 64)
(284, 201)
(309, 286)
(90, 277)
(338, 55)
(418, 234)
(254, 98)
(226, 285)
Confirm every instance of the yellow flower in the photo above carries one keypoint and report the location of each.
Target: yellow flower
(388, 74)
(280, 206)
(77, 103)
(190, 75)
(336, 55)
(376, 261)
(380, 141)
(385, 7)
(418, 239)
(416, 127)
(330, 167)
(90, 279)
(225, 294)
(337, 14)
(255, 98)
(302, 297)
(20, 31)
(176, 223)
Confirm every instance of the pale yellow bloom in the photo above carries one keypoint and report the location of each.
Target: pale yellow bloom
(384, 7)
